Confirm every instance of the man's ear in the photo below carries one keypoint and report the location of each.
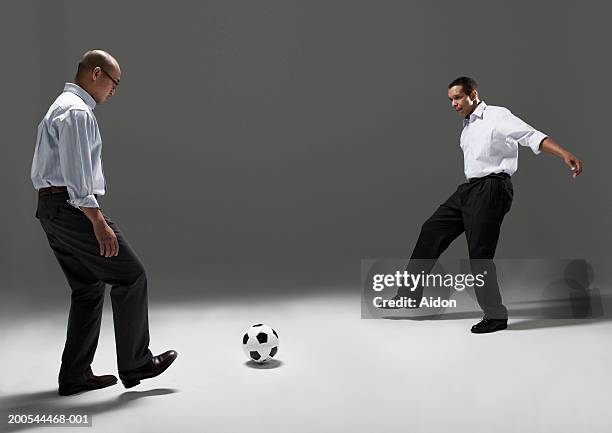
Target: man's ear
(95, 73)
(474, 95)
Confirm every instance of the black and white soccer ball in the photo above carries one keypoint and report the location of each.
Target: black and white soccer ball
(260, 343)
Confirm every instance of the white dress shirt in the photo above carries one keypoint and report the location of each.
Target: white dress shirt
(490, 139)
(69, 148)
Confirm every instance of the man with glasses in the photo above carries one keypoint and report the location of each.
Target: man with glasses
(92, 252)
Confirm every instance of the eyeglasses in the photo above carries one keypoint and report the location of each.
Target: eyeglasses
(109, 76)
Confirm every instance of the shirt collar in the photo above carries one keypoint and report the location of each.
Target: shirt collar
(478, 112)
(480, 108)
(81, 93)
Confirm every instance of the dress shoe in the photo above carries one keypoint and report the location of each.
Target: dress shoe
(156, 366)
(489, 325)
(92, 382)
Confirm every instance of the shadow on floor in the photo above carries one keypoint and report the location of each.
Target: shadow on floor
(543, 314)
(49, 403)
(526, 324)
(268, 365)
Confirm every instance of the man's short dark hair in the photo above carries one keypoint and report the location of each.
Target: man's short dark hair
(468, 84)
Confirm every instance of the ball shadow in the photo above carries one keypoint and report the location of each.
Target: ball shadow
(268, 365)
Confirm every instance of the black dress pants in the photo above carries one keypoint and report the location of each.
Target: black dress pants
(477, 208)
(71, 237)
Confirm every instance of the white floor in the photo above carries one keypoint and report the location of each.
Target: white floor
(336, 373)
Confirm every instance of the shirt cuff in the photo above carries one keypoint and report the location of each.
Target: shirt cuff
(87, 201)
(535, 140)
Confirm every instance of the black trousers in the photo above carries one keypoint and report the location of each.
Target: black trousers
(71, 237)
(477, 208)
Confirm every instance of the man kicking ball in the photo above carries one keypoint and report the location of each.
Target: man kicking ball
(90, 248)
(489, 140)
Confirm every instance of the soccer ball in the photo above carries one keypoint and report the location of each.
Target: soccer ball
(260, 343)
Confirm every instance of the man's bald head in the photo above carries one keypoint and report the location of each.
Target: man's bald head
(99, 74)
(94, 58)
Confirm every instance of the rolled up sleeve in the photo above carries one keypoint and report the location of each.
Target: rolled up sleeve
(518, 131)
(75, 143)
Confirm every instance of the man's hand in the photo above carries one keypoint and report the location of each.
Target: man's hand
(551, 146)
(109, 246)
(573, 163)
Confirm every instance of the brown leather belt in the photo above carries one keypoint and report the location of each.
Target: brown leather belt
(52, 190)
(55, 190)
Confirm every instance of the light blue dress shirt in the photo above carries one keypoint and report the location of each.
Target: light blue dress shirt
(69, 148)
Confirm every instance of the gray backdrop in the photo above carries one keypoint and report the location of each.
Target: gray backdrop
(273, 144)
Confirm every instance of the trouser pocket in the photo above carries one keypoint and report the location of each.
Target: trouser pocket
(508, 192)
(46, 210)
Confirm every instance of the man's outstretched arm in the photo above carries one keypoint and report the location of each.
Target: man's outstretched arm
(549, 145)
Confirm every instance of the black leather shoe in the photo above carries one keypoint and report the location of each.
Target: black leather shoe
(93, 382)
(156, 366)
(489, 325)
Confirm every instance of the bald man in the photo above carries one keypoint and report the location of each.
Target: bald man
(92, 252)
